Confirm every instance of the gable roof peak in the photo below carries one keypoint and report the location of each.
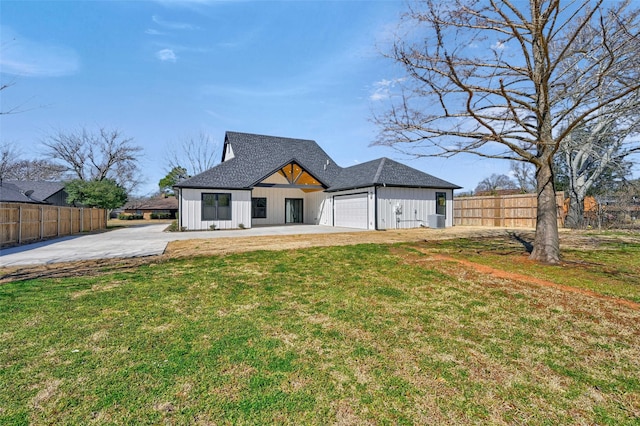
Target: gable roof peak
(249, 158)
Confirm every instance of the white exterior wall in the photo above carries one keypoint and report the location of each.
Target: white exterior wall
(312, 204)
(416, 205)
(190, 209)
(316, 213)
(370, 208)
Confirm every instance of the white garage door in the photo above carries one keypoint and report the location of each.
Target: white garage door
(351, 211)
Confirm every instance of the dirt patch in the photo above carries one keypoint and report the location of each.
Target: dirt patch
(512, 276)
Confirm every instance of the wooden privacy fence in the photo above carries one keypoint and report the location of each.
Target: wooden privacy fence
(516, 211)
(25, 223)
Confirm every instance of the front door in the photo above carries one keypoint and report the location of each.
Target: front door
(293, 210)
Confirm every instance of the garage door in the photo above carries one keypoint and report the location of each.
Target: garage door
(351, 211)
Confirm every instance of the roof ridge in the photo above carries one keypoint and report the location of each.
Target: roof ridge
(262, 135)
(379, 171)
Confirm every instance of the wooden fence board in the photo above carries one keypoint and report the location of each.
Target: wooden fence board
(514, 211)
(24, 223)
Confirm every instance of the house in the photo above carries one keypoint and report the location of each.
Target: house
(267, 180)
(161, 207)
(21, 191)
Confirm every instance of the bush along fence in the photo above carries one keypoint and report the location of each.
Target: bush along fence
(26, 223)
(513, 211)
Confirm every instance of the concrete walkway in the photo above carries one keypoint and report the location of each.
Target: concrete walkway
(144, 240)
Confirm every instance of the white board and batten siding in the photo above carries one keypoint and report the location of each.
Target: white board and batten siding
(190, 212)
(402, 208)
(312, 205)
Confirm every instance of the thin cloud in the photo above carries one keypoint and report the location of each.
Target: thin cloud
(166, 55)
(383, 88)
(498, 45)
(173, 25)
(151, 31)
(30, 58)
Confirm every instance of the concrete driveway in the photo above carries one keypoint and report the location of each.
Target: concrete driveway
(145, 240)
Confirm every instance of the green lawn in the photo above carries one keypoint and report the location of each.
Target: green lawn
(340, 335)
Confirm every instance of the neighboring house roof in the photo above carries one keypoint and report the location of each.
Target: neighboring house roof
(248, 159)
(385, 171)
(41, 189)
(157, 203)
(11, 193)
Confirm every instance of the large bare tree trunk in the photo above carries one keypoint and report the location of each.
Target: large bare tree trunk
(546, 246)
(575, 214)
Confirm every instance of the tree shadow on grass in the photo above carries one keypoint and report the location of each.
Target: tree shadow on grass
(528, 246)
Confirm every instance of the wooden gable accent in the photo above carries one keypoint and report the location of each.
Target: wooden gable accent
(296, 177)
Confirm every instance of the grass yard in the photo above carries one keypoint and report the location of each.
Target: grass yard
(364, 334)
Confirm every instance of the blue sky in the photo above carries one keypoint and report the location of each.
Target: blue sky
(163, 71)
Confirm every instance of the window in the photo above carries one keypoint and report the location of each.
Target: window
(258, 208)
(216, 206)
(441, 203)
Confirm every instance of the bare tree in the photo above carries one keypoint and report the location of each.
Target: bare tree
(494, 183)
(4, 86)
(15, 109)
(95, 156)
(196, 154)
(524, 175)
(505, 81)
(37, 169)
(599, 149)
(14, 167)
(9, 154)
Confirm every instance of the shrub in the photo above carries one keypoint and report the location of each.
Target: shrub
(161, 215)
(123, 216)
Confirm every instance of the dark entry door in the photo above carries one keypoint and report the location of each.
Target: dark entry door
(293, 210)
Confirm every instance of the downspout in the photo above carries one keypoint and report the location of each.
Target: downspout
(333, 210)
(179, 190)
(375, 207)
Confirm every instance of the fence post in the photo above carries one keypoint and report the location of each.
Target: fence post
(19, 224)
(58, 231)
(41, 222)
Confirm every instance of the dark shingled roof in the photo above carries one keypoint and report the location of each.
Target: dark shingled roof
(156, 203)
(41, 189)
(256, 157)
(10, 193)
(384, 171)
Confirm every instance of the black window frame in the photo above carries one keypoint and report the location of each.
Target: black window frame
(258, 212)
(441, 208)
(212, 209)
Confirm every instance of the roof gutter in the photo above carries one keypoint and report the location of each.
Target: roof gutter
(375, 207)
